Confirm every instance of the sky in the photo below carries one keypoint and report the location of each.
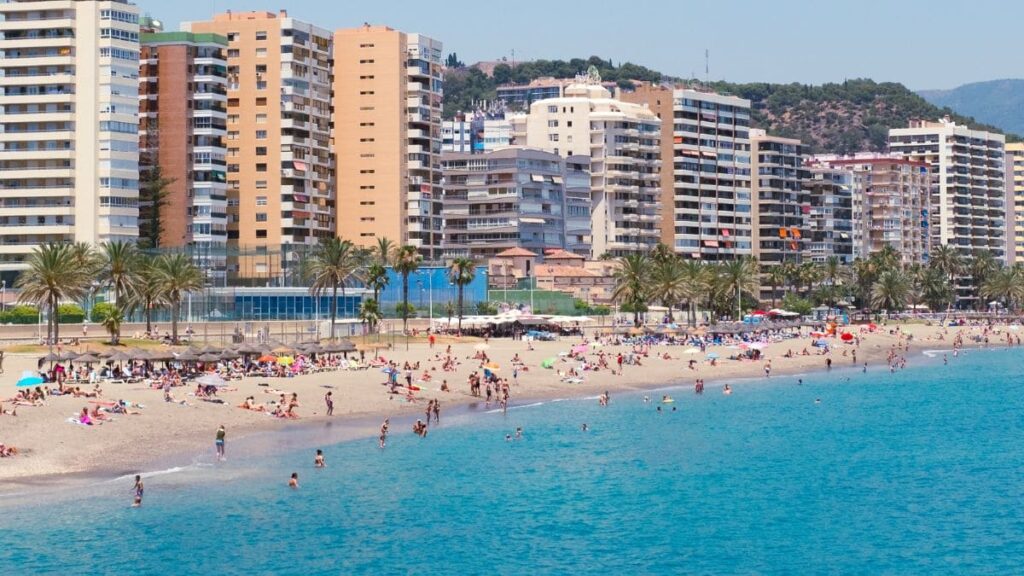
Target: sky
(923, 44)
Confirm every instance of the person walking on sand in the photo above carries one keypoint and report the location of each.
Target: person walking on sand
(219, 442)
(437, 412)
(329, 400)
(138, 489)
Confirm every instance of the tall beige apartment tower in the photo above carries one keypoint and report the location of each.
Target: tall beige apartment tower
(280, 168)
(69, 150)
(1015, 201)
(387, 137)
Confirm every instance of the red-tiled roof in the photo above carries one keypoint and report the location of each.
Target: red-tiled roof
(563, 271)
(511, 252)
(559, 254)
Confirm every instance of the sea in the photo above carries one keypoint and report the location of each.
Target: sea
(915, 472)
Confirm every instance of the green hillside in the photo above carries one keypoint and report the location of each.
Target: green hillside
(842, 118)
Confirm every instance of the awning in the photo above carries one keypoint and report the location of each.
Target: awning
(299, 165)
(844, 235)
(532, 221)
(536, 177)
(556, 179)
(711, 243)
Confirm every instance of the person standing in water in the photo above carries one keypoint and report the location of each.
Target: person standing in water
(293, 482)
(138, 489)
(384, 433)
(318, 462)
(219, 443)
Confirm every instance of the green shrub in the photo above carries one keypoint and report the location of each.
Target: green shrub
(629, 308)
(101, 311)
(486, 308)
(600, 310)
(401, 306)
(70, 314)
(794, 303)
(20, 315)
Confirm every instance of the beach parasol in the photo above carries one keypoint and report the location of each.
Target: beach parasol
(117, 356)
(248, 348)
(87, 359)
(758, 346)
(481, 347)
(161, 355)
(712, 356)
(211, 379)
(267, 358)
(29, 379)
(846, 337)
(340, 346)
(67, 355)
(228, 354)
(51, 357)
(208, 357)
(548, 363)
(208, 349)
(187, 356)
(286, 360)
(283, 349)
(691, 351)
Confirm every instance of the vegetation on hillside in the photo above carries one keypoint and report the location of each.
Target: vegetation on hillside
(842, 118)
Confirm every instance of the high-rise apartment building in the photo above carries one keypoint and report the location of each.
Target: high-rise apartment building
(475, 133)
(69, 107)
(511, 198)
(280, 166)
(182, 125)
(709, 217)
(780, 205)
(895, 201)
(623, 141)
(968, 201)
(1015, 201)
(834, 221)
(387, 134)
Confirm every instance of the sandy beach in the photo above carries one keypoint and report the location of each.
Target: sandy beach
(50, 446)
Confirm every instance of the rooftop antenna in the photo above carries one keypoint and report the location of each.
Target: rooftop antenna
(707, 66)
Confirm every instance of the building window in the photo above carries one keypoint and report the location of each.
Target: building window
(232, 36)
(261, 35)
(553, 137)
(261, 233)
(261, 150)
(261, 185)
(261, 52)
(261, 216)
(261, 167)
(261, 200)
(261, 134)
(261, 101)
(261, 118)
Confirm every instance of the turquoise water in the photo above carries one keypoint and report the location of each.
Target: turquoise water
(920, 472)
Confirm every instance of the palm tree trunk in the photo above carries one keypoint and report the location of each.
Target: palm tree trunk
(55, 319)
(334, 309)
(405, 302)
(149, 317)
(460, 308)
(175, 310)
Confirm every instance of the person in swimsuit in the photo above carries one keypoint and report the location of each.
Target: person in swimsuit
(219, 442)
(727, 390)
(329, 400)
(138, 489)
(293, 482)
(318, 462)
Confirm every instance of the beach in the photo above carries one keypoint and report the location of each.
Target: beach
(52, 448)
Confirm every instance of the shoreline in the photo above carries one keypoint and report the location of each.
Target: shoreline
(270, 436)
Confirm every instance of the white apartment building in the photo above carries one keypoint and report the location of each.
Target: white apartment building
(711, 144)
(69, 150)
(622, 140)
(968, 200)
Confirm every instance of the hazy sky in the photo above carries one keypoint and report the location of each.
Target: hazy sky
(921, 43)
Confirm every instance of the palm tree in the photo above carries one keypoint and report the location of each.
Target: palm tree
(406, 261)
(739, 276)
(668, 282)
(776, 276)
(982, 266)
(369, 313)
(935, 289)
(947, 260)
(384, 251)
(120, 271)
(334, 263)
(177, 276)
(808, 274)
(376, 279)
(834, 275)
(113, 323)
(890, 291)
(148, 294)
(699, 279)
(55, 273)
(461, 272)
(1005, 284)
(631, 286)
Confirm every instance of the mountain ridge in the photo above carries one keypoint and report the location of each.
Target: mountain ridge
(999, 102)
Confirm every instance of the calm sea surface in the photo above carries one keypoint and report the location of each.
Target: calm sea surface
(921, 472)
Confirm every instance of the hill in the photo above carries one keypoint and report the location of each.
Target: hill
(840, 118)
(997, 102)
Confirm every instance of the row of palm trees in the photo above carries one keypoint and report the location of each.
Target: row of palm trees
(880, 282)
(63, 272)
(338, 263)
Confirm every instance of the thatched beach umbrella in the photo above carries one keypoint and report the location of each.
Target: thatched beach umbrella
(340, 346)
(209, 358)
(117, 356)
(187, 356)
(51, 357)
(282, 349)
(88, 358)
(161, 355)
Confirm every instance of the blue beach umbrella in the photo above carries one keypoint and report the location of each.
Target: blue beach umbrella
(29, 379)
(712, 355)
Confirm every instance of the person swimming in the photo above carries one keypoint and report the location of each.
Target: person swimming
(318, 462)
(293, 482)
(727, 390)
(585, 427)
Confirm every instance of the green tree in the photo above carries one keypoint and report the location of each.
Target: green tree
(776, 276)
(462, 272)
(54, 273)
(384, 251)
(668, 281)
(333, 265)
(407, 260)
(739, 277)
(100, 312)
(120, 271)
(1006, 285)
(177, 277)
(890, 291)
(981, 267)
(153, 192)
(631, 283)
(112, 322)
(377, 279)
(150, 294)
(369, 313)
